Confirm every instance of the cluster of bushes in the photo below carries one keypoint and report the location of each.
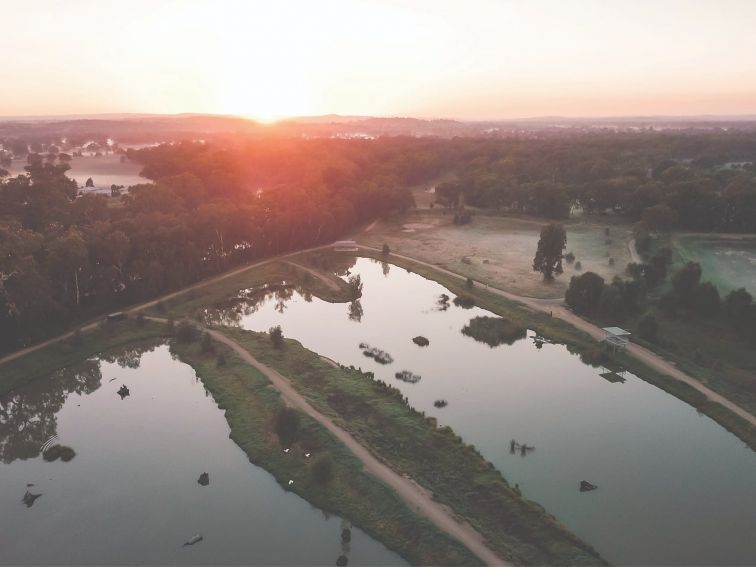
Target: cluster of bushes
(654, 271)
(589, 295)
(692, 296)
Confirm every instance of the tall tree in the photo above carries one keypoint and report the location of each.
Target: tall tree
(548, 258)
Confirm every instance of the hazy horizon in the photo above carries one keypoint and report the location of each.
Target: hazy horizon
(487, 60)
(746, 117)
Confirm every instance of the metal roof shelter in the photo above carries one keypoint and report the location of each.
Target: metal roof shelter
(616, 337)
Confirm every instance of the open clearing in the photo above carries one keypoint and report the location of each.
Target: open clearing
(500, 250)
(729, 262)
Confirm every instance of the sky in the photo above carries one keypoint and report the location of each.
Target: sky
(465, 59)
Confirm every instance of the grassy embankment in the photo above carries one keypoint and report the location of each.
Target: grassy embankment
(105, 337)
(456, 473)
(251, 406)
(577, 341)
(727, 262)
(706, 348)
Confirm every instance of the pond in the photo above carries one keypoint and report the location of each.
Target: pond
(130, 495)
(673, 486)
(104, 170)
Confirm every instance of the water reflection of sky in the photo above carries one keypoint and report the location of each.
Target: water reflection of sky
(130, 495)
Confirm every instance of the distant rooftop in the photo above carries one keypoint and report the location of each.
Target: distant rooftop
(616, 331)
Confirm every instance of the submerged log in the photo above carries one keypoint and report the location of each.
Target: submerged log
(380, 356)
(29, 498)
(194, 539)
(407, 376)
(56, 452)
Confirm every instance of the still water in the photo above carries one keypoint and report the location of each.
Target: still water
(130, 495)
(674, 486)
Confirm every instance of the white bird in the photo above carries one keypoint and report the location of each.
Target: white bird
(291, 482)
(307, 455)
(286, 450)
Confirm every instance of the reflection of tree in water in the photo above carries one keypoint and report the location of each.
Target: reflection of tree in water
(230, 312)
(385, 266)
(129, 357)
(338, 264)
(346, 539)
(282, 296)
(355, 311)
(28, 415)
(247, 302)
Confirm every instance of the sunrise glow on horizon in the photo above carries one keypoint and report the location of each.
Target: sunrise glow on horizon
(472, 60)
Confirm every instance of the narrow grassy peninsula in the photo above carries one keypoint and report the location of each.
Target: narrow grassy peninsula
(436, 458)
(331, 478)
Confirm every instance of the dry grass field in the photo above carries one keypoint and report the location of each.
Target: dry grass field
(500, 250)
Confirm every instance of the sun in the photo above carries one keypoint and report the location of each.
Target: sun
(262, 74)
(264, 98)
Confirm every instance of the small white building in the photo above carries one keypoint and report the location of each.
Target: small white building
(616, 337)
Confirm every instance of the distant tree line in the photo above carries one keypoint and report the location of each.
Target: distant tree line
(696, 181)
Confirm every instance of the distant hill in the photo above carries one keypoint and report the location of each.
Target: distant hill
(142, 128)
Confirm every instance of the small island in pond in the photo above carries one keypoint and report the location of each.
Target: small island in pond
(494, 331)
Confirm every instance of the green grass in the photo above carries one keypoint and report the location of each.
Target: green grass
(438, 459)
(727, 263)
(710, 351)
(251, 405)
(41, 363)
(706, 348)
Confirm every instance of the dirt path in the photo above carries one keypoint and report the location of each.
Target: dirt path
(332, 285)
(415, 496)
(557, 309)
(634, 251)
(135, 309)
